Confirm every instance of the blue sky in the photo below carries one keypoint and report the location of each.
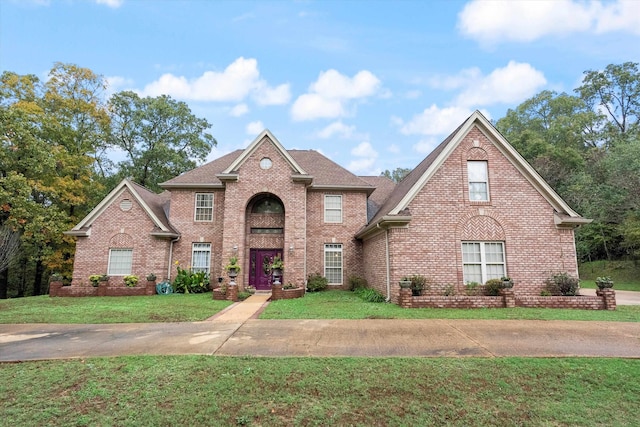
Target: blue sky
(373, 85)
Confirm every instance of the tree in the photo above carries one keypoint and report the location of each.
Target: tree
(397, 174)
(615, 91)
(9, 246)
(159, 136)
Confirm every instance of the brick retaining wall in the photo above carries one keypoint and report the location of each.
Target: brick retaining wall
(278, 293)
(104, 289)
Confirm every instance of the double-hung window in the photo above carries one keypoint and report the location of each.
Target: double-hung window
(201, 257)
(332, 208)
(120, 261)
(204, 207)
(482, 261)
(333, 263)
(478, 181)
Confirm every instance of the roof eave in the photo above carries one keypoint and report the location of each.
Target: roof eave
(562, 221)
(167, 185)
(366, 188)
(384, 223)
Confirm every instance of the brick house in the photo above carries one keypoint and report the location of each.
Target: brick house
(474, 209)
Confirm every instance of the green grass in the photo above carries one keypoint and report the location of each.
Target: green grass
(204, 390)
(625, 274)
(346, 305)
(139, 309)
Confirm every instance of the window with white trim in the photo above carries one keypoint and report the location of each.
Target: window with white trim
(478, 175)
(120, 261)
(333, 263)
(201, 257)
(332, 208)
(482, 261)
(204, 207)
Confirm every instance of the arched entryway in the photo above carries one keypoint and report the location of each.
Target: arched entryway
(264, 235)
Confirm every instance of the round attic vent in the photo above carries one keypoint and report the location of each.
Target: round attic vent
(126, 205)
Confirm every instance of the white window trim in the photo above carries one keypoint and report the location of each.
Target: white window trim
(329, 248)
(109, 273)
(486, 182)
(483, 258)
(326, 209)
(196, 207)
(201, 245)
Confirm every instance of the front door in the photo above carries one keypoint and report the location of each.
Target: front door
(259, 274)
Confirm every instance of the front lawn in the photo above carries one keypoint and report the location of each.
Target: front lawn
(139, 309)
(206, 391)
(625, 274)
(346, 305)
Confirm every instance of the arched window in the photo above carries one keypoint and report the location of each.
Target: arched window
(268, 205)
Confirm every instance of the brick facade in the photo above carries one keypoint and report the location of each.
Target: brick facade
(427, 238)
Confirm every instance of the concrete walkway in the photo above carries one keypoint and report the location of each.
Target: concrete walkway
(237, 332)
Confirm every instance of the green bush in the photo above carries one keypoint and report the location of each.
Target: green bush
(356, 282)
(449, 291)
(130, 280)
(419, 284)
(473, 289)
(190, 282)
(316, 283)
(562, 284)
(243, 295)
(492, 287)
(369, 295)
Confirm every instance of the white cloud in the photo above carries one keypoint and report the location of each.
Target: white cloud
(117, 83)
(329, 96)
(337, 128)
(426, 146)
(280, 95)
(365, 155)
(509, 85)
(240, 79)
(522, 21)
(433, 121)
(111, 3)
(239, 110)
(254, 128)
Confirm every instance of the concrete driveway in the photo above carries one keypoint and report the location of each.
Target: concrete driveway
(622, 297)
(374, 338)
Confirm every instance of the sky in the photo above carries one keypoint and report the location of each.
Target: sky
(373, 85)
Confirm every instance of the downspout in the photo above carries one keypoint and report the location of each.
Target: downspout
(387, 261)
(171, 257)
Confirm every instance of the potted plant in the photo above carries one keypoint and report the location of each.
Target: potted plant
(604, 283)
(233, 268)
(405, 283)
(418, 284)
(507, 283)
(151, 277)
(276, 267)
(55, 277)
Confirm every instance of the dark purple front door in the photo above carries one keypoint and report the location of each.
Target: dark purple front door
(259, 274)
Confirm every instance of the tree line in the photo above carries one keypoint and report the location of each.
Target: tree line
(65, 144)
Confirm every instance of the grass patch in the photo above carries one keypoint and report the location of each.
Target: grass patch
(625, 274)
(204, 390)
(345, 305)
(138, 309)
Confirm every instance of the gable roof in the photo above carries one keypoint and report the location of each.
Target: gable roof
(153, 204)
(393, 209)
(308, 165)
(384, 187)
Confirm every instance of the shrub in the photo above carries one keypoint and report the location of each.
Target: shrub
(449, 291)
(492, 287)
(419, 283)
(473, 289)
(130, 280)
(243, 295)
(369, 295)
(188, 281)
(316, 283)
(562, 284)
(604, 282)
(95, 278)
(356, 282)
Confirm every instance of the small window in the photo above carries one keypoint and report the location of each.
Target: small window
(120, 261)
(201, 257)
(332, 208)
(478, 181)
(333, 263)
(482, 261)
(204, 207)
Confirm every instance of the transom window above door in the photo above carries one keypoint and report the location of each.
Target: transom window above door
(268, 205)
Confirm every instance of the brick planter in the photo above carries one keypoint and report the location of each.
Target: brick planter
(231, 294)
(278, 293)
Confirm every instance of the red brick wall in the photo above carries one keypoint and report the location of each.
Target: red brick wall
(375, 264)
(115, 228)
(442, 217)
(319, 233)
